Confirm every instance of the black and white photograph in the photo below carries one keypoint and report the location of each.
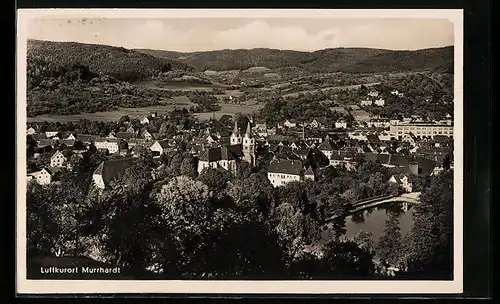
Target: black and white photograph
(268, 150)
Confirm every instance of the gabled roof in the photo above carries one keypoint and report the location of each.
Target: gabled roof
(309, 171)
(111, 169)
(285, 166)
(46, 142)
(164, 144)
(125, 135)
(86, 137)
(326, 145)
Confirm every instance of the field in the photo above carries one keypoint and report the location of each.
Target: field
(348, 87)
(230, 109)
(166, 106)
(178, 86)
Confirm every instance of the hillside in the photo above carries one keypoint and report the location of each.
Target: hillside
(352, 60)
(121, 63)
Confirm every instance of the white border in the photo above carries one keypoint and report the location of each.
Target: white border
(233, 287)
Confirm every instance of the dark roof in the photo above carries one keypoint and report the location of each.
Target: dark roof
(309, 171)
(342, 155)
(46, 142)
(111, 169)
(125, 135)
(285, 166)
(86, 138)
(373, 138)
(325, 146)
(163, 143)
(388, 159)
(67, 142)
(38, 136)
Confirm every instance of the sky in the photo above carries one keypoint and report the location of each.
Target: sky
(206, 34)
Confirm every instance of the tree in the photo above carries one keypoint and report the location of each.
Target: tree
(216, 180)
(253, 195)
(188, 167)
(389, 246)
(431, 236)
(184, 212)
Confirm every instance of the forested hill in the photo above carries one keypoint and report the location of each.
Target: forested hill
(355, 60)
(121, 63)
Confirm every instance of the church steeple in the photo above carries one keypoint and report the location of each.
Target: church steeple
(236, 132)
(248, 133)
(235, 136)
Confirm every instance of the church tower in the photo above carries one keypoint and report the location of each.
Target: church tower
(235, 136)
(249, 146)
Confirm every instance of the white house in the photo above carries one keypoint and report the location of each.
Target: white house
(145, 120)
(366, 102)
(71, 136)
(147, 135)
(373, 94)
(43, 177)
(309, 174)
(160, 146)
(58, 159)
(111, 134)
(290, 124)
(109, 170)
(111, 144)
(341, 124)
(284, 171)
(385, 136)
(378, 123)
(51, 134)
(380, 102)
(403, 181)
(326, 147)
(394, 92)
(30, 131)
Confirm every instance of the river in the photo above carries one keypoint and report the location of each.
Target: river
(373, 220)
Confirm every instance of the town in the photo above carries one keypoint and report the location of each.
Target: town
(413, 145)
(232, 164)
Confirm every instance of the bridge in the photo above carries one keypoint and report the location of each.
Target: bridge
(406, 198)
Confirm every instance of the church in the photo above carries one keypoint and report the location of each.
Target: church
(241, 148)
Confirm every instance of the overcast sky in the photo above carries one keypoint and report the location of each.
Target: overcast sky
(203, 34)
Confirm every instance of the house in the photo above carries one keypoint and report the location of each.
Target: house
(109, 170)
(366, 102)
(145, 120)
(309, 174)
(51, 134)
(58, 160)
(221, 157)
(160, 147)
(373, 94)
(131, 129)
(46, 143)
(282, 171)
(110, 144)
(410, 138)
(380, 102)
(30, 131)
(326, 147)
(402, 180)
(394, 92)
(46, 175)
(86, 138)
(384, 136)
(341, 124)
(147, 136)
(357, 135)
(111, 134)
(319, 122)
(378, 123)
(67, 142)
(290, 123)
(343, 158)
(125, 135)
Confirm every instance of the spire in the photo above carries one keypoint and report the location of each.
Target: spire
(248, 133)
(235, 130)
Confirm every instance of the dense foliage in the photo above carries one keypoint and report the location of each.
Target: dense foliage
(121, 63)
(351, 60)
